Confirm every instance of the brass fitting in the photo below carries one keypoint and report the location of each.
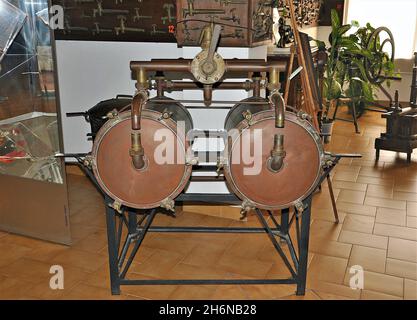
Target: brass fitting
(205, 36)
(279, 105)
(142, 79)
(137, 152)
(273, 83)
(138, 102)
(276, 161)
(208, 94)
(256, 84)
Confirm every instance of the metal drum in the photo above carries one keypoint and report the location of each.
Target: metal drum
(301, 163)
(162, 179)
(239, 111)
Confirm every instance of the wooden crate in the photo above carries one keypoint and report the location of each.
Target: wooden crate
(245, 23)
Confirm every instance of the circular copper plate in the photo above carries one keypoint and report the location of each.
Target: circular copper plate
(146, 188)
(297, 178)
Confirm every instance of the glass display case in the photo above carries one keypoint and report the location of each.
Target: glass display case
(29, 124)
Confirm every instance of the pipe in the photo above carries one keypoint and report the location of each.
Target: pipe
(136, 151)
(279, 106)
(231, 65)
(137, 104)
(276, 161)
(256, 86)
(207, 92)
(160, 85)
(188, 85)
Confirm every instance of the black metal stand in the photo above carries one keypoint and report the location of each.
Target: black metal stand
(138, 223)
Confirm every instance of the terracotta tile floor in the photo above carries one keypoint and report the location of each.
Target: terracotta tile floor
(378, 208)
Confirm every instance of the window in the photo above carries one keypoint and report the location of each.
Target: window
(399, 16)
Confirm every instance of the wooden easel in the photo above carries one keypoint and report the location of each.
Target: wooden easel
(311, 104)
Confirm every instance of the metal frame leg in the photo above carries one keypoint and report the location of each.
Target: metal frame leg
(112, 248)
(132, 221)
(285, 218)
(303, 246)
(275, 243)
(329, 183)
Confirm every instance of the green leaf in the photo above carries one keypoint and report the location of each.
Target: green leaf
(335, 20)
(332, 90)
(355, 23)
(359, 63)
(343, 29)
(321, 45)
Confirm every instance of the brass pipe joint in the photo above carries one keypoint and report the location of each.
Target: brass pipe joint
(139, 100)
(136, 151)
(276, 161)
(279, 106)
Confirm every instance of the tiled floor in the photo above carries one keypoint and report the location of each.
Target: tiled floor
(378, 209)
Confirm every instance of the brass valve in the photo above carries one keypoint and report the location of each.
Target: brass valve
(208, 66)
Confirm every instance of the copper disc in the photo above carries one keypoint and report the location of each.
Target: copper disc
(297, 178)
(113, 168)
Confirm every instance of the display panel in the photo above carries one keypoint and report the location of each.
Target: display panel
(118, 20)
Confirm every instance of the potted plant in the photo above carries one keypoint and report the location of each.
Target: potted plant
(345, 75)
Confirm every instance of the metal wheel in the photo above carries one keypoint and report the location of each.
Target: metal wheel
(374, 70)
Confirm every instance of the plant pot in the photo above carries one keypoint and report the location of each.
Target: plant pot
(326, 130)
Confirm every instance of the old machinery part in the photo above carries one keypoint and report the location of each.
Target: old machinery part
(374, 70)
(276, 173)
(276, 161)
(208, 66)
(165, 174)
(136, 150)
(277, 101)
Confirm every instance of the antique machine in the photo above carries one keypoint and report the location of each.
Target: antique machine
(98, 115)
(289, 142)
(138, 181)
(401, 133)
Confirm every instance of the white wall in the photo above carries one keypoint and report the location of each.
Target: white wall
(89, 72)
